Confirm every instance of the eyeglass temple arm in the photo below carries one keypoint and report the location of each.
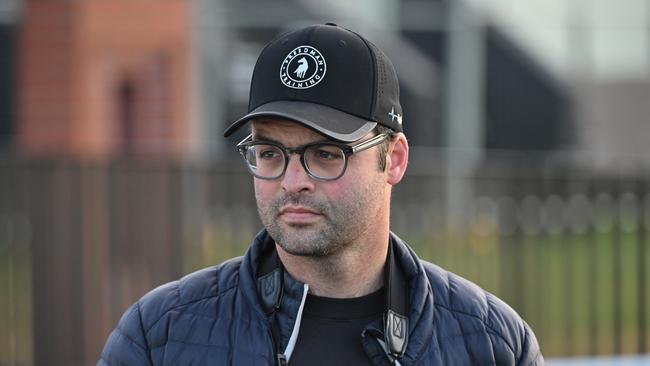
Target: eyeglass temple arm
(246, 139)
(369, 143)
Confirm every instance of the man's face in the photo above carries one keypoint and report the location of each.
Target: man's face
(318, 218)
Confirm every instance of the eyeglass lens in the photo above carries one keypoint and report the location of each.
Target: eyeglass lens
(322, 161)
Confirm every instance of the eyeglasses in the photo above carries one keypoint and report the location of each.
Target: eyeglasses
(321, 160)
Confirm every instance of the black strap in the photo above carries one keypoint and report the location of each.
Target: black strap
(396, 327)
(270, 288)
(270, 282)
(370, 341)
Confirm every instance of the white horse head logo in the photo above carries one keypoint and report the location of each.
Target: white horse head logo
(302, 68)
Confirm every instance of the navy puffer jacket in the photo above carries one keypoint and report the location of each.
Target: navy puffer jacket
(214, 317)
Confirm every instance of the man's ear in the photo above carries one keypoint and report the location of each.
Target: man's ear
(397, 159)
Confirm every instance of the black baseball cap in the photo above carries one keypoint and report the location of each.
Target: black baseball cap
(327, 78)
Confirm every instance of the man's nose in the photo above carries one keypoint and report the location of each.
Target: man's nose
(295, 178)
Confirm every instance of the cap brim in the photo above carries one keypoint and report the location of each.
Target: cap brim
(328, 121)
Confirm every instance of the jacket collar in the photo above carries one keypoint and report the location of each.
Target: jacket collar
(420, 303)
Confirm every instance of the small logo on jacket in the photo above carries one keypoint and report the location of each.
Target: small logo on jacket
(398, 328)
(303, 68)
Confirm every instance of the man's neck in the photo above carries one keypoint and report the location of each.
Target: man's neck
(355, 271)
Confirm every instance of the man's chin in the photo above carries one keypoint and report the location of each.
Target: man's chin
(304, 242)
(298, 250)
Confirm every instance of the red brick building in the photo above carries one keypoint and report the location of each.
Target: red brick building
(104, 78)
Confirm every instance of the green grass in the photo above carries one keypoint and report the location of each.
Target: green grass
(16, 343)
(546, 278)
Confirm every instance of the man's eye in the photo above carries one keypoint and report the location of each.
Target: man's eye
(268, 154)
(328, 153)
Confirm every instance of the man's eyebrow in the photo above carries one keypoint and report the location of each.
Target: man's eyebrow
(261, 137)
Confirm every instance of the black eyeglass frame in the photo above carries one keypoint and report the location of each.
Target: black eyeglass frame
(347, 150)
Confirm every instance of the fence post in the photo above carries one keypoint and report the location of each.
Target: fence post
(641, 261)
(616, 269)
(56, 272)
(593, 270)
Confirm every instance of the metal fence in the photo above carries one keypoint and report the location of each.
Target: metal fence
(80, 242)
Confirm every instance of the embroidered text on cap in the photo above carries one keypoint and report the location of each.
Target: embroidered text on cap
(303, 68)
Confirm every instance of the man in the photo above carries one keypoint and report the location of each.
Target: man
(326, 282)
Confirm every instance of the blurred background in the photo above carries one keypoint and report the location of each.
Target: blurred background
(529, 174)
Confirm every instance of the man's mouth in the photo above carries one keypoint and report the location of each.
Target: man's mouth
(298, 215)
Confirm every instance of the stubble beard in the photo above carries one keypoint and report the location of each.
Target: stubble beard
(342, 223)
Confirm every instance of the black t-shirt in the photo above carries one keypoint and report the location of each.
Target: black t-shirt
(330, 330)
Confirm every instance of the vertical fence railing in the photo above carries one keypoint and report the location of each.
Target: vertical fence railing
(616, 273)
(592, 273)
(568, 251)
(642, 192)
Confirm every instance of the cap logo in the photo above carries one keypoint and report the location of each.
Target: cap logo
(303, 68)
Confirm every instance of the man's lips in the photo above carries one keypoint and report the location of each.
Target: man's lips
(298, 214)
